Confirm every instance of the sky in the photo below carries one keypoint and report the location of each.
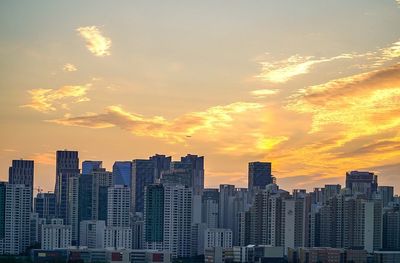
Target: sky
(311, 86)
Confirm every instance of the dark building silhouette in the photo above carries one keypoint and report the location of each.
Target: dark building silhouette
(21, 172)
(259, 175)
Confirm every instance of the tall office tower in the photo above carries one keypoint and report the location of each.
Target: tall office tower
(197, 167)
(210, 207)
(89, 166)
(167, 219)
(67, 165)
(45, 205)
(362, 182)
(21, 172)
(18, 207)
(226, 206)
(91, 233)
(161, 164)
(73, 208)
(142, 175)
(154, 216)
(118, 206)
(386, 194)
(3, 186)
(93, 194)
(122, 173)
(177, 176)
(56, 235)
(259, 175)
(391, 230)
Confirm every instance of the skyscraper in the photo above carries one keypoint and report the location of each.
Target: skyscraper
(197, 168)
(67, 165)
(89, 166)
(93, 194)
(45, 205)
(386, 194)
(161, 164)
(362, 182)
(259, 175)
(154, 214)
(122, 173)
(142, 175)
(21, 172)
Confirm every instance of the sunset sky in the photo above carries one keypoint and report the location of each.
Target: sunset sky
(311, 86)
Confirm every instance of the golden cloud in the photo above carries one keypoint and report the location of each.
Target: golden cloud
(284, 70)
(357, 102)
(98, 44)
(176, 130)
(69, 67)
(262, 93)
(46, 100)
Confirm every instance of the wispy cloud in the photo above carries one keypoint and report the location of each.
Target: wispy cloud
(47, 100)
(262, 93)
(365, 104)
(175, 130)
(98, 44)
(69, 67)
(284, 70)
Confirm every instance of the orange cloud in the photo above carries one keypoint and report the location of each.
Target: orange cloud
(46, 100)
(175, 130)
(98, 44)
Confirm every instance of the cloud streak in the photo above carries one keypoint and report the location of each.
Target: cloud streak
(175, 130)
(284, 70)
(47, 100)
(96, 43)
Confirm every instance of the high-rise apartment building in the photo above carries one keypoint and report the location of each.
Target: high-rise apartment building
(174, 233)
(210, 207)
(118, 206)
(18, 207)
(91, 233)
(56, 235)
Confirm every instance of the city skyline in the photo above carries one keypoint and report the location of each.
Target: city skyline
(312, 87)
